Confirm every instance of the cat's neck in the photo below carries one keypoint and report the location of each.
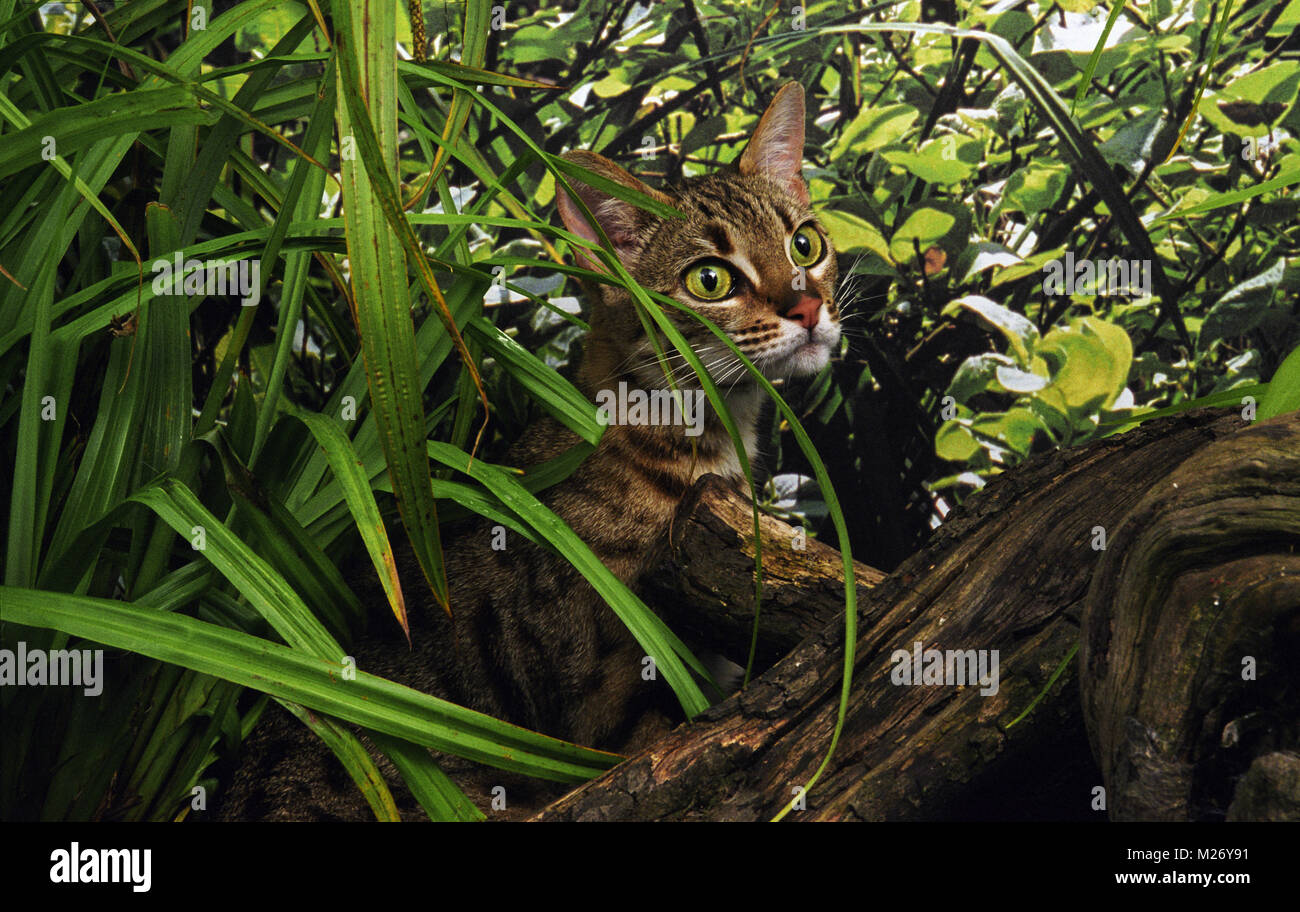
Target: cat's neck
(613, 371)
(690, 432)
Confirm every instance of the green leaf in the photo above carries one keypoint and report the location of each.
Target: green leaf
(983, 255)
(1134, 142)
(1015, 427)
(613, 188)
(1268, 93)
(438, 795)
(850, 233)
(1116, 9)
(873, 128)
(289, 674)
(1243, 307)
(355, 486)
(1283, 394)
(943, 160)
(1014, 380)
(379, 236)
(1235, 198)
(469, 75)
(977, 374)
(1033, 188)
(954, 442)
(1018, 331)
(649, 631)
(1231, 397)
(938, 223)
(265, 589)
(1092, 360)
(474, 36)
(354, 758)
(555, 394)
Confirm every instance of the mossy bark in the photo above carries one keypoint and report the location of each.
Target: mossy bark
(1192, 630)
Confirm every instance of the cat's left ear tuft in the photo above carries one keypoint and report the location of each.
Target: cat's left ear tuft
(776, 148)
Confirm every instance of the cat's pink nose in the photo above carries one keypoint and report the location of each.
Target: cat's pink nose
(805, 312)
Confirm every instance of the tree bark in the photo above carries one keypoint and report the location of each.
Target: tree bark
(1191, 635)
(704, 584)
(1007, 574)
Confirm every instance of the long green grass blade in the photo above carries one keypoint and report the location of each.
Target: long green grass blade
(356, 761)
(437, 794)
(355, 487)
(289, 674)
(650, 632)
(378, 263)
(1086, 79)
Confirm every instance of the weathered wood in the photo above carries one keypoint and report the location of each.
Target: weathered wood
(1007, 572)
(704, 586)
(1192, 636)
(1270, 790)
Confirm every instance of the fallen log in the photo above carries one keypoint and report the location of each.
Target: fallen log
(1004, 577)
(1191, 636)
(704, 583)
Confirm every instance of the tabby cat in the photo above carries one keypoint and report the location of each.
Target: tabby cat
(529, 639)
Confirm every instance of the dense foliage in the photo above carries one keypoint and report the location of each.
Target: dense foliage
(189, 474)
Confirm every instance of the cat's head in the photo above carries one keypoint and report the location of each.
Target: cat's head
(749, 255)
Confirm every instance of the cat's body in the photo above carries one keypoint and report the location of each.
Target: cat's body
(529, 639)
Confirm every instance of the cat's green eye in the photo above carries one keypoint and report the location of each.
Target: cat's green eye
(806, 246)
(710, 280)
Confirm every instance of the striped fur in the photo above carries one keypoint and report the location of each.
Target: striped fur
(529, 639)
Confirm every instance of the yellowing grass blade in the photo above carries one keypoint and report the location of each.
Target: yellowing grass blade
(473, 50)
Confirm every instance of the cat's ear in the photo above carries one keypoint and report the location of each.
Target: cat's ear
(776, 148)
(621, 221)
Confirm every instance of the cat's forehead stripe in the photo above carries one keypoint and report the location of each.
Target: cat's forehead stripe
(708, 198)
(785, 219)
(716, 234)
(730, 199)
(734, 201)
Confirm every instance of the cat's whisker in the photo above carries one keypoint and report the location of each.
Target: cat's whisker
(685, 370)
(739, 373)
(725, 358)
(729, 371)
(854, 304)
(669, 358)
(674, 365)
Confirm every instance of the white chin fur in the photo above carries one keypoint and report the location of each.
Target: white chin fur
(805, 353)
(807, 359)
